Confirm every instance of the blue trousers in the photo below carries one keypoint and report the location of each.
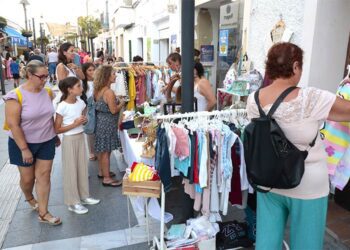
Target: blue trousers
(307, 222)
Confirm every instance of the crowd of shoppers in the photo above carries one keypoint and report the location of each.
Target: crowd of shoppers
(32, 138)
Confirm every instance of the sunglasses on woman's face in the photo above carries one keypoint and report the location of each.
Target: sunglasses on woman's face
(42, 77)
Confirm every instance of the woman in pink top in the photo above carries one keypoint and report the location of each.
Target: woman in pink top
(32, 138)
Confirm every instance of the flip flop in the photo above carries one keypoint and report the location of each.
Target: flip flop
(111, 174)
(114, 183)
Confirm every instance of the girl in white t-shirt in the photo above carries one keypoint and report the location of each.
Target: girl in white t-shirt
(70, 117)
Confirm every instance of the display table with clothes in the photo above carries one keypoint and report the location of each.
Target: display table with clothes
(132, 149)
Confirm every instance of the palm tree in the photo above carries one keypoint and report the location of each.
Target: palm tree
(45, 40)
(3, 22)
(89, 27)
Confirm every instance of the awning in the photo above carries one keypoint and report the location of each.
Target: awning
(16, 37)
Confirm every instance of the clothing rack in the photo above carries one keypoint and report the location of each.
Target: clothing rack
(159, 243)
(143, 63)
(146, 67)
(231, 112)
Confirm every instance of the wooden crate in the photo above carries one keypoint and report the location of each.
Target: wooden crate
(141, 188)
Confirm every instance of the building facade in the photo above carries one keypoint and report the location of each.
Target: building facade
(227, 32)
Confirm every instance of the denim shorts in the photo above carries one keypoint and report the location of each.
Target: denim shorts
(52, 68)
(41, 151)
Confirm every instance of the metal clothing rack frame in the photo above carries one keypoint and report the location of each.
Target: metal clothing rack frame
(159, 243)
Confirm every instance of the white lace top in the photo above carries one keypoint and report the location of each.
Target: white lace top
(300, 120)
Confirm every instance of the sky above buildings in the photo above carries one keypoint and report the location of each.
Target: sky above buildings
(57, 11)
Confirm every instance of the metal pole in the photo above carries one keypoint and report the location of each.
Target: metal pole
(187, 47)
(25, 16)
(26, 22)
(34, 36)
(3, 91)
(92, 50)
(41, 39)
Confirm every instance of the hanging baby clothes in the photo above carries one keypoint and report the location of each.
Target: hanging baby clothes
(337, 144)
(140, 88)
(119, 85)
(162, 159)
(132, 91)
(149, 88)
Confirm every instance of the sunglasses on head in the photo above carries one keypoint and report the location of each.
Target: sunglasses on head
(42, 77)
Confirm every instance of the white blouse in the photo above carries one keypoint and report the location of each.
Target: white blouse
(300, 120)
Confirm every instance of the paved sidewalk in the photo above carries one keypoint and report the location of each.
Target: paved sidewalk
(3, 134)
(105, 222)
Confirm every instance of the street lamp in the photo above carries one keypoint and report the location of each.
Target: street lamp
(41, 35)
(25, 3)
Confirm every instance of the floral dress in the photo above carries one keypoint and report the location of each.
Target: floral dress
(106, 132)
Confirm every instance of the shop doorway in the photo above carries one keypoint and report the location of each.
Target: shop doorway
(121, 50)
(139, 47)
(163, 49)
(116, 47)
(130, 51)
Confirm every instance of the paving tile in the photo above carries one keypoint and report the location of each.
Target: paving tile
(56, 197)
(25, 247)
(347, 243)
(140, 246)
(341, 229)
(107, 216)
(138, 234)
(336, 213)
(21, 237)
(104, 240)
(25, 220)
(67, 244)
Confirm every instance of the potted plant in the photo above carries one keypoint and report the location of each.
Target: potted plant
(27, 33)
(3, 22)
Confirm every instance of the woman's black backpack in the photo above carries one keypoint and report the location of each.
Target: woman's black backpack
(272, 160)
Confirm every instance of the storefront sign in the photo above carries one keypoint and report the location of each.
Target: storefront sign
(223, 42)
(229, 14)
(207, 54)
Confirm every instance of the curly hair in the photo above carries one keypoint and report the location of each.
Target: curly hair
(280, 60)
(101, 78)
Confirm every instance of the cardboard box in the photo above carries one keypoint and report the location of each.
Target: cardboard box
(141, 188)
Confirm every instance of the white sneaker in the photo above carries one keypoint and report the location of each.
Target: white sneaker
(90, 201)
(78, 209)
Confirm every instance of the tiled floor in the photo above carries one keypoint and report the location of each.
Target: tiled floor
(338, 222)
(134, 238)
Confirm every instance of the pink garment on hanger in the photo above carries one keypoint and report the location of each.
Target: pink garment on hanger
(182, 149)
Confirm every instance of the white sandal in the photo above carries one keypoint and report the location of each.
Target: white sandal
(54, 221)
(35, 206)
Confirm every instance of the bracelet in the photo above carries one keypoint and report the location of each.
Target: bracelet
(22, 149)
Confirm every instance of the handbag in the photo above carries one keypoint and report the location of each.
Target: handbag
(89, 127)
(272, 160)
